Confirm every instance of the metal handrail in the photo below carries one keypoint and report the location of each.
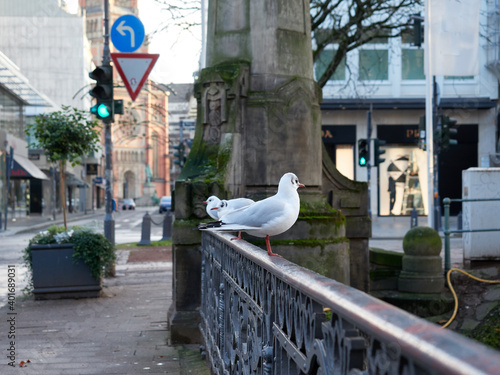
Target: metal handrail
(266, 315)
(447, 231)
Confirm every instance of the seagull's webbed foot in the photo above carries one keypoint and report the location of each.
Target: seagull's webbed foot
(269, 251)
(237, 238)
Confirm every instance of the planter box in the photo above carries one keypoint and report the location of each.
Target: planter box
(56, 275)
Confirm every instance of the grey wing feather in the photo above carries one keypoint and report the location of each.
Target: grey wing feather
(256, 215)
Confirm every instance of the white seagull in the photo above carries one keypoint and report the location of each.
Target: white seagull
(268, 217)
(216, 207)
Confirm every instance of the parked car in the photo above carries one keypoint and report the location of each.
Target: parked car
(127, 204)
(165, 204)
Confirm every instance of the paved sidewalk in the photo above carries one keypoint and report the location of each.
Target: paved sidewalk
(123, 332)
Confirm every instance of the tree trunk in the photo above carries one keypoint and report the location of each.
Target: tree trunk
(63, 190)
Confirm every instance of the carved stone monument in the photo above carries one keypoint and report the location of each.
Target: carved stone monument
(258, 118)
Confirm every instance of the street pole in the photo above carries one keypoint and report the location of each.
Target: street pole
(369, 165)
(10, 165)
(109, 222)
(436, 126)
(429, 130)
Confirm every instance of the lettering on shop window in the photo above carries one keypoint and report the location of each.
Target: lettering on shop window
(412, 134)
(326, 134)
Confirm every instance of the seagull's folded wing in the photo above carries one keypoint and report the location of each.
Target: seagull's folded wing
(229, 228)
(256, 215)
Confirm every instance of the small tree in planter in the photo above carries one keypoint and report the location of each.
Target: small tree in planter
(66, 136)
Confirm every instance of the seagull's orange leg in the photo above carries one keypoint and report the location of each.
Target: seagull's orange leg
(237, 238)
(269, 251)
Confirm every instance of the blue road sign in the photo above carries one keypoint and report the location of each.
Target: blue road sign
(127, 33)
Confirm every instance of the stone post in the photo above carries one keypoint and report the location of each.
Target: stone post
(422, 265)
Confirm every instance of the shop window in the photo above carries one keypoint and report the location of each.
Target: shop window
(373, 65)
(344, 160)
(403, 181)
(412, 64)
(322, 63)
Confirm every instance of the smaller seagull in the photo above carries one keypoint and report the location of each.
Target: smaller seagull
(211, 203)
(268, 217)
(216, 207)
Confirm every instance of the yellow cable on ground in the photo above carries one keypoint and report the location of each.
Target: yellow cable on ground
(455, 295)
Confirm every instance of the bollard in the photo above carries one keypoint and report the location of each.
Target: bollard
(167, 226)
(414, 218)
(146, 231)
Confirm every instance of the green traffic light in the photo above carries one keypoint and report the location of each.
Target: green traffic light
(103, 111)
(362, 161)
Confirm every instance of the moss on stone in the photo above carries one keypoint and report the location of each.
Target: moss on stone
(423, 241)
(386, 258)
(488, 332)
(228, 71)
(303, 243)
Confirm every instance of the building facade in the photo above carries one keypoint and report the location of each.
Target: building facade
(48, 45)
(20, 179)
(384, 83)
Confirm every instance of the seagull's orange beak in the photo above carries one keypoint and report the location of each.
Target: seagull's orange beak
(302, 185)
(214, 208)
(204, 202)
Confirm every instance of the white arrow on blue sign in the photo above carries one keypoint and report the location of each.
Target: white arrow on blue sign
(127, 33)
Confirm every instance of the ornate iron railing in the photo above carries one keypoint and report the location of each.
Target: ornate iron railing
(263, 315)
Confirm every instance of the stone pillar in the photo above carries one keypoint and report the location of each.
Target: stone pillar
(258, 118)
(422, 265)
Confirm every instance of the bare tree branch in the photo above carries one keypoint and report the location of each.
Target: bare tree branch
(349, 24)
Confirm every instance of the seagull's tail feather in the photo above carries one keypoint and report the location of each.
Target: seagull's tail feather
(212, 224)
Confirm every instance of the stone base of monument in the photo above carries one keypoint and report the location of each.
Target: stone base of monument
(147, 194)
(422, 270)
(316, 241)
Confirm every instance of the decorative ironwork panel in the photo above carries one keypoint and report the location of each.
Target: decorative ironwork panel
(263, 315)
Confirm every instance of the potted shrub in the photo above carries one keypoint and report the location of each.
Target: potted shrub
(67, 263)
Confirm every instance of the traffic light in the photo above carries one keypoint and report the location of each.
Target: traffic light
(103, 92)
(377, 151)
(179, 154)
(448, 132)
(118, 107)
(417, 30)
(363, 152)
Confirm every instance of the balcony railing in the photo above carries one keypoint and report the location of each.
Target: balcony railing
(263, 315)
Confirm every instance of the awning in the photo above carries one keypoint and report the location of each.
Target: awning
(24, 168)
(16, 83)
(72, 180)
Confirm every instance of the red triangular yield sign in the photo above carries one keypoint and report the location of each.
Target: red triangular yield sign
(134, 68)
